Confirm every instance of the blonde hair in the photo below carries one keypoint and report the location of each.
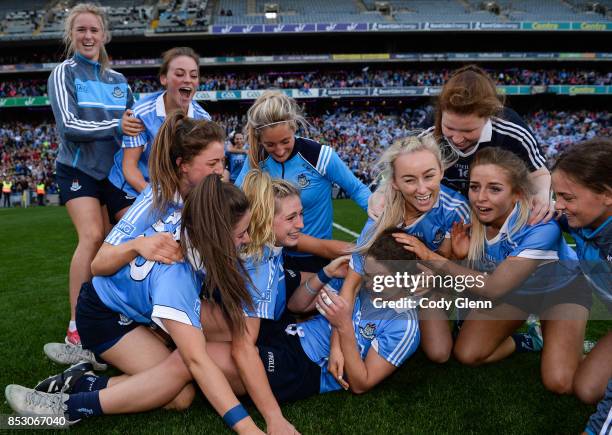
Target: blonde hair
(89, 8)
(273, 107)
(393, 213)
(518, 175)
(264, 194)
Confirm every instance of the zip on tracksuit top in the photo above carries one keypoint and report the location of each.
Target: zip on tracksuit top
(88, 104)
(313, 168)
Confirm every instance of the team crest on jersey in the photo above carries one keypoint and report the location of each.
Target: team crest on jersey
(124, 320)
(439, 237)
(118, 93)
(303, 181)
(368, 331)
(75, 185)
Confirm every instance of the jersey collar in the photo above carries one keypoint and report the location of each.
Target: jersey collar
(420, 218)
(160, 107)
(485, 136)
(588, 233)
(506, 227)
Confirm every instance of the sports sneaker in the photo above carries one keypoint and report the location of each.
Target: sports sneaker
(72, 337)
(64, 382)
(534, 330)
(67, 354)
(588, 346)
(27, 402)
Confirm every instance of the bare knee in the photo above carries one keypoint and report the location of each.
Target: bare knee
(469, 355)
(438, 354)
(91, 238)
(177, 367)
(587, 392)
(558, 381)
(183, 400)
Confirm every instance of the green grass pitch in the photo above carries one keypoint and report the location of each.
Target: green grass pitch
(507, 397)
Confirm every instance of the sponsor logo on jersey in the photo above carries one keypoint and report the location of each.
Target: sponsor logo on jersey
(75, 185)
(303, 181)
(129, 197)
(118, 93)
(124, 320)
(368, 331)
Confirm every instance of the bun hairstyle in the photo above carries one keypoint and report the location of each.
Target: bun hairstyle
(211, 211)
(469, 91)
(178, 140)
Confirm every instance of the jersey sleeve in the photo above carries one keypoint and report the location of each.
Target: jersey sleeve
(333, 168)
(245, 168)
(179, 303)
(538, 242)
(135, 221)
(398, 339)
(456, 209)
(524, 143)
(140, 140)
(63, 99)
(264, 287)
(357, 261)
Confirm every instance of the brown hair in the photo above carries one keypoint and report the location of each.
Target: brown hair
(211, 211)
(169, 55)
(385, 248)
(470, 90)
(518, 174)
(89, 8)
(588, 163)
(179, 137)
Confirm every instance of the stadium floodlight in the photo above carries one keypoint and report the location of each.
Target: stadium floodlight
(271, 11)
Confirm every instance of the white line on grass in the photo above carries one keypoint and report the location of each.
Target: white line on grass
(345, 229)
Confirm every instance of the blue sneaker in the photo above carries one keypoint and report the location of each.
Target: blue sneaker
(534, 330)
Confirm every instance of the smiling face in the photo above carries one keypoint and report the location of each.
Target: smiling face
(288, 221)
(417, 177)
(240, 233)
(278, 141)
(462, 131)
(582, 206)
(491, 194)
(87, 35)
(238, 141)
(209, 161)
(181, 82)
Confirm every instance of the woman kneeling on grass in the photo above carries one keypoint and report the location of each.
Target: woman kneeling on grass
(524, 273)
(582, 181)
(113, 313)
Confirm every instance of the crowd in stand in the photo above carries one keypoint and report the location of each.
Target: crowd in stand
(365, 77)
(28, 151)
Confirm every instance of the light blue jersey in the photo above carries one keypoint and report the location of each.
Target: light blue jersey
(432, 227)
(542, 241)
(594, 249)
(152, 112)
(141, 216)
(146, 291)
(267, 288)
(235, 162)
(393, 335)
(314, 168)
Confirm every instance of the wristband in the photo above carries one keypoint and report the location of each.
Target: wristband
(234, 415)
(309, 289)
(323, 277)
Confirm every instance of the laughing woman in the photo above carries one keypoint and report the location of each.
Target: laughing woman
(530, 269)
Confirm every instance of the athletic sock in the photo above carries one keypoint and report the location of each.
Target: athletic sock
(83, 405)
(90, 383)
(523, 342)
(72, 326)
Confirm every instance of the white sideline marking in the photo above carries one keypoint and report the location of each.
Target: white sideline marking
(345, 229)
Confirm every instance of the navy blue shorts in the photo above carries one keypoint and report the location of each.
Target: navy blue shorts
(116, 199)
(291, 374)
(308, 263)
(576, 292)
(99, 327)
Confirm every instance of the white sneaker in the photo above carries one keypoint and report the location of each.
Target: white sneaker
(62, 353)
(27, 402)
